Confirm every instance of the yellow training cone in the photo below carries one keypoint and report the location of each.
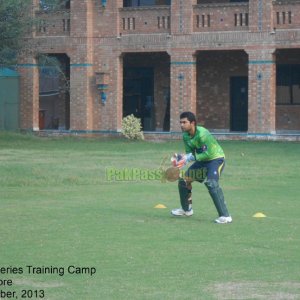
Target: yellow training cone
(259, 215)
(160, 206)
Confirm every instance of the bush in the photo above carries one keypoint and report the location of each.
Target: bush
(132, 128)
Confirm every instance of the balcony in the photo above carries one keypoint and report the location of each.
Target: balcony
(286, 14)
(221, 17)
(150, 19)
(53, 23)
(207, 17)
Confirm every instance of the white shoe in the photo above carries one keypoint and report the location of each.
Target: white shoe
(223, 220)
(180, 212)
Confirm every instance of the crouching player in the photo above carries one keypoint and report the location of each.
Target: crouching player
(209, 160)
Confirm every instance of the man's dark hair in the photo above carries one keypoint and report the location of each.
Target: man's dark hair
(189, 115)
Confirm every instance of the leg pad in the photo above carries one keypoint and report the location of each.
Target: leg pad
(217, 196)
(185, 194)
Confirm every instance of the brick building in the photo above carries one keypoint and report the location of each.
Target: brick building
(235, 63)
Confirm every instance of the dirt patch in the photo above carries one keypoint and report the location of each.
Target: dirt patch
(36, 284)
(256, 290)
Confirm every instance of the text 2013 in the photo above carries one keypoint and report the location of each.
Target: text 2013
(32, 294)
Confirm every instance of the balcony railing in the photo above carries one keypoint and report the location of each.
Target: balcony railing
(221, 17)
(286, 14)
(154, 19)
(55, 23)
(157, 19)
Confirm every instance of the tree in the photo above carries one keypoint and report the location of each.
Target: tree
(16, 22)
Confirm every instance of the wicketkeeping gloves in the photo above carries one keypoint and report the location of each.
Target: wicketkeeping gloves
(180, 160)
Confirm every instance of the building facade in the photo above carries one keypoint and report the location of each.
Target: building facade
(236, 64)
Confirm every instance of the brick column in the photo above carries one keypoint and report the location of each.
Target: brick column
(183, 85)
(118, 92)
(81, 18)
(29, 94)
(182, 16)
(29, 84)
(81, 96)
(260, 15)
(262, 91)
(111, 112)
(109, 19)
(82, 86)
(108, 115)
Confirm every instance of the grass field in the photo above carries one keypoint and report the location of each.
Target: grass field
(58, 209)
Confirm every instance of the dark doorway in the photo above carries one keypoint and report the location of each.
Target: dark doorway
(146, 89)
(139, 95)
(54, 104)
(239, 103)
(288, 90)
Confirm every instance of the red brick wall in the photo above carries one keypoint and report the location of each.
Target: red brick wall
(56, 23)
(29, 94)
(145, 20)
(285, 15)
(287, 117)
(260, 15)
(262, 91)
(204, 59)
(106, 19)
(182, 16)
(183, 84)
(214, 70)
(213, 17)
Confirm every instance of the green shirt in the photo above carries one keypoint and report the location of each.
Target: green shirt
(202, 145)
